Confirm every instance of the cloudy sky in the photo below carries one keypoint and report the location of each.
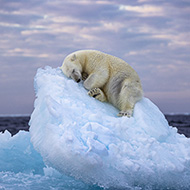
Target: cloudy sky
(152, 36)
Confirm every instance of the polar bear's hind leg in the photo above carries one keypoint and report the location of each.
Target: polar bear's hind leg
(126, 109)
(131, 93)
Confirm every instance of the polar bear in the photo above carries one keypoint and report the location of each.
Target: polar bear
(108, 78)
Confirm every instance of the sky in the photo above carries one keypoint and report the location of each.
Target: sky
(152, 36)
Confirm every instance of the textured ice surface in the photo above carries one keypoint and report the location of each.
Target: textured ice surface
(82, 137)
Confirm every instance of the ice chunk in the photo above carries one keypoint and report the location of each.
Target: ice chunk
(19, 150)
(82, 137)
(21, 167)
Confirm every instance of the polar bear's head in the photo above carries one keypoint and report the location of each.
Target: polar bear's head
(72, 68)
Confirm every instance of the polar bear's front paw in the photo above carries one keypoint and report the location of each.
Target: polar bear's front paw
(94, 92)
(125, 113)
(98, 94)
(84, 76)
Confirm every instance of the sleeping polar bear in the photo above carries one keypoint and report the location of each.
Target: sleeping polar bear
(107, 78)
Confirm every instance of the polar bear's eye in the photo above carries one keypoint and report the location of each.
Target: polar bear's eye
(73, 71)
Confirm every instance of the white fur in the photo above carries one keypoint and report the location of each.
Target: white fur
(107, 78)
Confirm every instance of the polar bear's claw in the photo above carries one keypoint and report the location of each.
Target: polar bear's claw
(94, 92)
(124, 113)
(84, 76)
(98, 94)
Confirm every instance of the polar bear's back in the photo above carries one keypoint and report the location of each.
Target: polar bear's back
(113, 61)
(100, 60)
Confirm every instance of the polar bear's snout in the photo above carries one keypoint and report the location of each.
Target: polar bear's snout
(76, 76)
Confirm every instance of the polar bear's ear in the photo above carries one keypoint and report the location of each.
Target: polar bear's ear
(73, 58)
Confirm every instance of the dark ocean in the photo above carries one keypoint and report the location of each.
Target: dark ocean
(15, 123)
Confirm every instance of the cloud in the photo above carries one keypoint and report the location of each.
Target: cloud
(175, 40)
(152, 36)
(144, 10)
(25, 53)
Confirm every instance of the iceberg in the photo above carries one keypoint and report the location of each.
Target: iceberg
(83, 138)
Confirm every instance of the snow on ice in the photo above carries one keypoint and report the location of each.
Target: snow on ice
(83, 138)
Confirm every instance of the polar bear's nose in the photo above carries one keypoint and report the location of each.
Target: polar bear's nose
(78, 80)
